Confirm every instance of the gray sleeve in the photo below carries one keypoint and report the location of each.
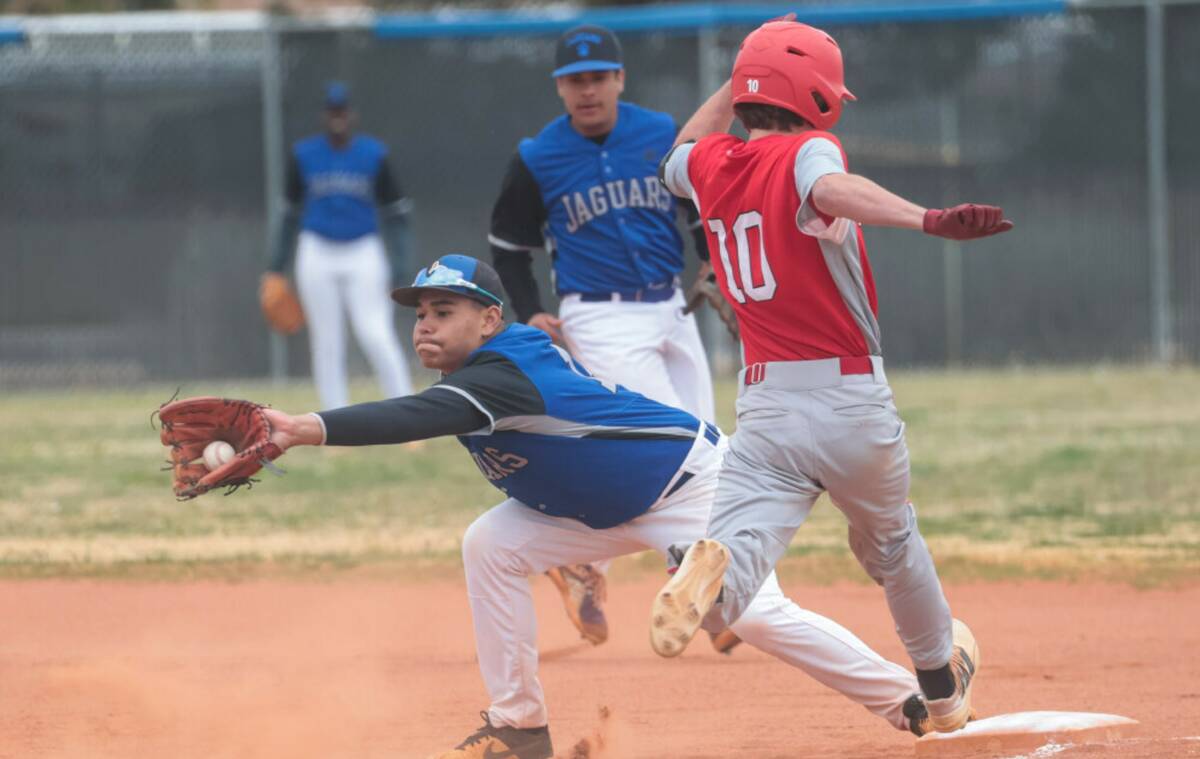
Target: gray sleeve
(815, 159)
(673, 171)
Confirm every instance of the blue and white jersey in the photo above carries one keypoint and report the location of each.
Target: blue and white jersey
(339, 187)
(609, 220)
(562, 442)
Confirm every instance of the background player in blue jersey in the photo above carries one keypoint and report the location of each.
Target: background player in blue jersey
(335, 180)
(586, 186)
(590, 471)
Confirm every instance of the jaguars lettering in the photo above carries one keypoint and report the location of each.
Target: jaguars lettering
(644, 192)
(496, 465)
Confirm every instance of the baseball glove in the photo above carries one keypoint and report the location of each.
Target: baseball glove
(705, 289)
(279, 304)
(189, 425)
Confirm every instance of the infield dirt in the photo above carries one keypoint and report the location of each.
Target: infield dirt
(353, 668)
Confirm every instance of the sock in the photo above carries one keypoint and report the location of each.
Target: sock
(936, 683)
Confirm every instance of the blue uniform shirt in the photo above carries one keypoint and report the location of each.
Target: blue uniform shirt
(562, 442)
(611, 223)
(340, 185)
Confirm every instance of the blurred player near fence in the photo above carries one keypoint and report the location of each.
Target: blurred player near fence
(587, 185)
(348, 254)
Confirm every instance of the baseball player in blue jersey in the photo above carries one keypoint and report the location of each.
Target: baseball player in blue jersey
(589, 471)
(335, 181)
(586, 187)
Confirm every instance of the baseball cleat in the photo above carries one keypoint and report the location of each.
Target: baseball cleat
(686, 598)
(918, 716)
(502, 742)
(583, 590)
(725, 641)
(949, 714)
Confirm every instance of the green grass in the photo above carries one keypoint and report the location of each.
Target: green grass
(1016, 474)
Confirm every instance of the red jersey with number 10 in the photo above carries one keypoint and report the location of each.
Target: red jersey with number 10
(799, 281)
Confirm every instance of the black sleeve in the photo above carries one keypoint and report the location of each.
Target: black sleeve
(431, 413)
(294, 191)
(477, 396)
(388, 192)
(287, 226)
(515, 268)
(692, 219)
(519, 214)
(517, 221)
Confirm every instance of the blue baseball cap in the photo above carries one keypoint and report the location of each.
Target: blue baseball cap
(458, 274)
(587, 48)
(337, 95)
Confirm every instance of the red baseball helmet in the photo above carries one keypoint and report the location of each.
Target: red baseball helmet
(792, 66)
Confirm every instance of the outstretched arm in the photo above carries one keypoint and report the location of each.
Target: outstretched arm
(432, 413)
(854, 197)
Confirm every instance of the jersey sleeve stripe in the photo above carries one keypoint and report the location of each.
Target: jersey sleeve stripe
(474, 402)
(324, 431)
(506, 245)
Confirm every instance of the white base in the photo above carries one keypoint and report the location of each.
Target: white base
(1008, 733)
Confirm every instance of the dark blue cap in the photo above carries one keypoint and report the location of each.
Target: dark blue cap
(458, 274)
(587, 48)
(337, 95)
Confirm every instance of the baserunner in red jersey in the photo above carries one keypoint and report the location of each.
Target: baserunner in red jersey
(814, 410)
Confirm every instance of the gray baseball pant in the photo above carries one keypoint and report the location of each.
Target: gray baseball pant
(804, 428)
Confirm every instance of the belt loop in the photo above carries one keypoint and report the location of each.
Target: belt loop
(756, 373)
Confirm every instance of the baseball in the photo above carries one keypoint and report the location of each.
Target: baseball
(217, 453)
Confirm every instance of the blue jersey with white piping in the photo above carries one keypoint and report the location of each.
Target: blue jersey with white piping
(610, 221)
(339, 185)
(561, 441)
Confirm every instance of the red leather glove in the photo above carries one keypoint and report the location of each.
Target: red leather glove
(966, 221)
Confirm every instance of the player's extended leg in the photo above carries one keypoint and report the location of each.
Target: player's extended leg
(373, 319)
(819, 646)
(317, 282)
(761, 501)
(865, 467)
(501, 550)
(831, 655)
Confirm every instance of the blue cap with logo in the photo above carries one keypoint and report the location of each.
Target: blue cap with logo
(337, 95)
(456, 273)
(587, 48)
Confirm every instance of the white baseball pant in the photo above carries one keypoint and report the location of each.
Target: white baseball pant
(510, 542)
(650, 348)
(334, 278)
(804, 428)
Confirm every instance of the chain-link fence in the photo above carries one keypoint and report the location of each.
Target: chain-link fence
(134, 168)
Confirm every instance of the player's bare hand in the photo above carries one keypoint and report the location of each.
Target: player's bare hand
(966, 221)
(549, 324)
(784, 17)
(288, 431)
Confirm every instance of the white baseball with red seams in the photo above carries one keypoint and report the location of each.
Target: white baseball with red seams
(217, 454)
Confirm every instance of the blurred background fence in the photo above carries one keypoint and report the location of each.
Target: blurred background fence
(142, 154)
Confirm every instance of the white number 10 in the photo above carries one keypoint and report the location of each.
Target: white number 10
(741, 279)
